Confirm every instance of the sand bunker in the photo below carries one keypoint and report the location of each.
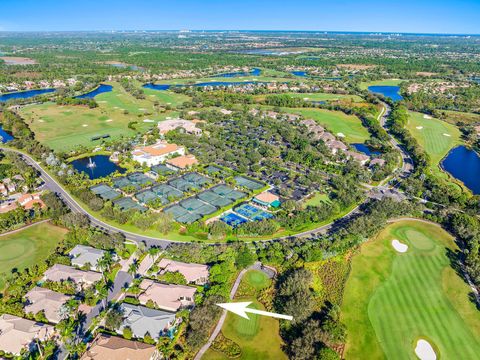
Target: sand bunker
(306, 98)
(40, 120)
(109, 120)
(447, 135)
(84, 125)
(148, 121)
(342, 135)
(424, 350)
(400, 247)
(419, 127)
(427, 116)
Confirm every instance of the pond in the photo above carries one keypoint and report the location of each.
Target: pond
(253, 72)
(99, 90)
(392, 92)
(464, 164)
(365, 149)
(102, 166)
(299, 73)
(5, 136)
(24, 94)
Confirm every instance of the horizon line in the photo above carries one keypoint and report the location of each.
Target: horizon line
(242, 30)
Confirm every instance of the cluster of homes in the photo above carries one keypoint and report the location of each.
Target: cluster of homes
(15, 193)
(40, 84)
(172, 155)
(153, 312)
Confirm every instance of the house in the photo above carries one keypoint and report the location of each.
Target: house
(226, 112)
(168, 297)
(10, 185)
(59, 272)
(82, 255)
(50, 302)
(17, 333)
(377, 161)
(335, 145)
(193, 273)
(188, 126)
(326, 137)
(142, 320)
(28, 201)
(361, 158)
(3, 190)
(108, 347)
(182, 162)
(155, 154)
(267, 199)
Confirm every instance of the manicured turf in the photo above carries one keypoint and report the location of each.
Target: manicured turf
(27, 247)
(336, 122)
(386, 82)
(317, 199)
(166, 97)
(258, 337)
(65, 127)
(392, 299)
(431, 136)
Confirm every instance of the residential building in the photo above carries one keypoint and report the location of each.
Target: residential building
(82, 255)
(108, 347)
(59, 272)
(50, 302)
(172, 124)
(336, 145)
(267, 199)
(193, 273)
(361, 158)
(182, 162)
(17, 333)
(28, 201)
(142, 320)
(155, 154)
(168, 297)
(377, 161)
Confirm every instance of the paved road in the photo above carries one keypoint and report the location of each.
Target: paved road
(256, 266)
(53, 185)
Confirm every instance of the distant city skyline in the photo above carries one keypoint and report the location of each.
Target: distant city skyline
(408, 16)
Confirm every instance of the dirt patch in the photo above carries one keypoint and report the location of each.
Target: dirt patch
(15, 60)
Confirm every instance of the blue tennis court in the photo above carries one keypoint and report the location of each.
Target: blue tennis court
(233, 220)
(252, 212)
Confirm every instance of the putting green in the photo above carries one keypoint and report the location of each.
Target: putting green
(393, 299)
(27, 247)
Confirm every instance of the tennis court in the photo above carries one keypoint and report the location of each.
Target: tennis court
(233, 219)
(252, 212)
(146, 196)
(162, 169)
(105, 192)
(248, 183)
(127, 203)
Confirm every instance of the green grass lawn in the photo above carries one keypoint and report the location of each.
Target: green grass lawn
(259, 336)
(317, 199)
(386, 82)
(431, 134)
(28, 247)
(336, 122)
(64, 128)
(392, 299)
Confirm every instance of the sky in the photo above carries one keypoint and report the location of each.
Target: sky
(414, 16)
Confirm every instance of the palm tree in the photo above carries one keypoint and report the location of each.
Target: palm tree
(153, 251)
(133, 268)
(105, 264)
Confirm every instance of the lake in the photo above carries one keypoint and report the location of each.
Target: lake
(25, 94)
(299, 73)
(5, 136)
(103, 166)
(253, 72)
(392, 92)
(99, 90)
(464, 164)
(365, 149)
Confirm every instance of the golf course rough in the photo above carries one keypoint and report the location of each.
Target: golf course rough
(394, 299)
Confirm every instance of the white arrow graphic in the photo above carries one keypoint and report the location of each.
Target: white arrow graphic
(240, 308)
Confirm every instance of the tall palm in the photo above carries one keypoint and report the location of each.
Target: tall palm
(153, 251)
(133, 268)
(105, 263)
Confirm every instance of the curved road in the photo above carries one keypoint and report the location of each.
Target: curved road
(53, 185)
